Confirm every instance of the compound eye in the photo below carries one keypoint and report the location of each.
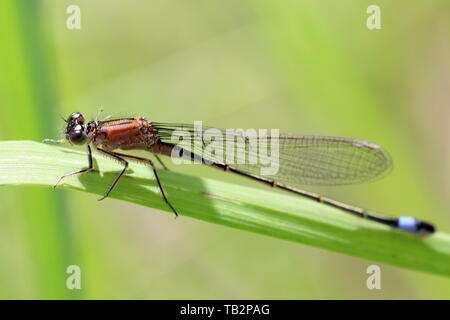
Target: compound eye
(76, 117)
(76, 136)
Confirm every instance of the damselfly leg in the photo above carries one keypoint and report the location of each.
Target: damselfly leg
(160, 161)
(125, 167)
(89, 168)
(155, 172)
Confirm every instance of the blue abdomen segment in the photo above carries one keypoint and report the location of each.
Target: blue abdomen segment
(416, 226)
(408, 224)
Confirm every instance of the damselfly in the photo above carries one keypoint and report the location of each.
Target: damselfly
(302, 159)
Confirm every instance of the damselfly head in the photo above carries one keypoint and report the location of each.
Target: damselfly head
(75, 131)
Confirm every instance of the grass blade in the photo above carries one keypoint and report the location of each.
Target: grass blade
(274, 214)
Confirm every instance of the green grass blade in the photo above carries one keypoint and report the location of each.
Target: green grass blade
(275, 214)
(28, 91)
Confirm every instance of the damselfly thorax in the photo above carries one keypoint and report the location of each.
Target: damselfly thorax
(125, 134)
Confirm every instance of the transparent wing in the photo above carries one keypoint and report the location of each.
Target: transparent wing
(302, 160)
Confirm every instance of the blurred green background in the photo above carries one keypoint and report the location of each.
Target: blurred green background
(301, 66)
